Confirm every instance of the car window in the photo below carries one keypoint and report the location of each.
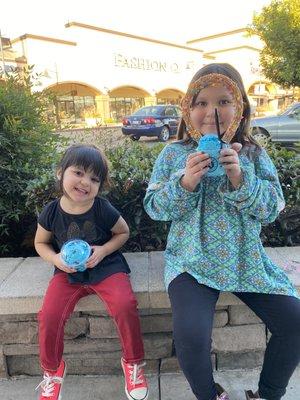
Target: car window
(145, 111)
(178, 111)
(296, 112)
(170, 112)
(287, 110)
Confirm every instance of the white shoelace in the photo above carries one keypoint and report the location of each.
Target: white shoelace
(47, 384)
(135, 373)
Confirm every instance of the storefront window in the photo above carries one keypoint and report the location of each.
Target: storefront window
(261, 104)
(121, 106)
(259, 94)
(79, 108)
(72, 108)
(173, 101)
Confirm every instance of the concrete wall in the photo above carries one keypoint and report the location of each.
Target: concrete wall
(91, 342)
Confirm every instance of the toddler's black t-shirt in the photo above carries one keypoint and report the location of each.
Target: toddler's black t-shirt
(94, 226)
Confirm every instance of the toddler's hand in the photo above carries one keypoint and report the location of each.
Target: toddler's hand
(97, 256)
(58, 262)
(196, 166)
(230, 160)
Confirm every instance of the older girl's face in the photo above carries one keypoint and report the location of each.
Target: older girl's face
(202, 114)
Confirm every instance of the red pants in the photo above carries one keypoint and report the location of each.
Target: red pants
(59, 302)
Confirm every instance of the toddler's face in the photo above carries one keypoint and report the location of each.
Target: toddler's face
(80, 186)
(202, 113)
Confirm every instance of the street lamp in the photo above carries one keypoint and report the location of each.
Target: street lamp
(47, 75)
(257, 71)
(2, 55)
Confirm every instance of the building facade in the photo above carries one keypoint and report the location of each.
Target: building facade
(237, 47)
(99, 75)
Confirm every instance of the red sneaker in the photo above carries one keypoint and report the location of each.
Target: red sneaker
(51, 385)
(136, 387)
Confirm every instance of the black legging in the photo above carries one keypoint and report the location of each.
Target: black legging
(193, 307)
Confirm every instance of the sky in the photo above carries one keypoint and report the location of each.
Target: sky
(168, 20)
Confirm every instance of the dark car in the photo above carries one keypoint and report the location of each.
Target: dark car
(284, 127)
(160, 121)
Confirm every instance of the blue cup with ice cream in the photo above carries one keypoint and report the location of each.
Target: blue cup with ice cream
(212, 145)
(75, 254)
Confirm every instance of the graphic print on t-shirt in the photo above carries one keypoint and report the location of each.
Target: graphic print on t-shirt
(87, 232)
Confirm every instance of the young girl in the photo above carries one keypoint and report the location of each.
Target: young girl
(214, 242)
(81, 214)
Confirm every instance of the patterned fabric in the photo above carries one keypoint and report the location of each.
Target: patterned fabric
(214, 235)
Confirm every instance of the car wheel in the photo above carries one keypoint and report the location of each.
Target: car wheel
(261, 136)
(135, 138)
(164, 134)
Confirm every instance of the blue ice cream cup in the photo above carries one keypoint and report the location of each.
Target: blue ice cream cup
(211, 145)
(75, 254)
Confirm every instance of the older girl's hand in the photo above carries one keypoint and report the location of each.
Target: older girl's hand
(196, 166)
(230, 160)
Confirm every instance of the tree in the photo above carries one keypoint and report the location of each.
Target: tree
(278, 26)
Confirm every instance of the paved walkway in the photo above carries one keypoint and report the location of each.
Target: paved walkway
(165, 387)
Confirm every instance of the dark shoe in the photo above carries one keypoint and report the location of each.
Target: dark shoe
(251, 396)
(222, 395)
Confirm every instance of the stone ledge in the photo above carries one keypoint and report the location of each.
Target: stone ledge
(91, 345)
(23, 282)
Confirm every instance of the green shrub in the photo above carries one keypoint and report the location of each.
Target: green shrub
(287, 163)
(131, 165)
(27, 149)
(286, 229)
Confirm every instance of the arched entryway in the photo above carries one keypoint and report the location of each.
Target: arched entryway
(169, 96)
(264, 98)
(74, 102)
(125, 100)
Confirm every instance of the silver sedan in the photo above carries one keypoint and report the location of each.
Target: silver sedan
(284, 127)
